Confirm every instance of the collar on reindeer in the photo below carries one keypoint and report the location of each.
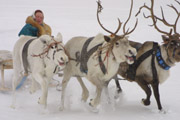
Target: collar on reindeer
(160, 60)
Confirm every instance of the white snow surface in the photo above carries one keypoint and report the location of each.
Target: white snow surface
(78, 18)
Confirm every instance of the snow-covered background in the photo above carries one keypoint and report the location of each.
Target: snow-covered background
(78, 18)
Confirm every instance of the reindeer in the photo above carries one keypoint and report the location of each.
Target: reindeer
(39, 57)
(97, 58)
(153, 61)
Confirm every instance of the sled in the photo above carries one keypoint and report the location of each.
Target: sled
(6, 62)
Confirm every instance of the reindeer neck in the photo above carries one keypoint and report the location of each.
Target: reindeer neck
(165, 56)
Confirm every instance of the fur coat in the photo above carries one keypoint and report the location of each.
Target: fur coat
(42, 29)
(32, 28)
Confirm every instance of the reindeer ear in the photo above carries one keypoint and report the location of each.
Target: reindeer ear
(44, 38)
(59, 37)
(165, 38)
(107, 38)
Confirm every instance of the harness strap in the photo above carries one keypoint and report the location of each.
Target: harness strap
(84, 57)
(154, 70)
(25, 54)
(155, 52)
(131, 72)
(174, 51)
(101, 63)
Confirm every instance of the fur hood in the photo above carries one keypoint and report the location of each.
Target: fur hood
(43, 29)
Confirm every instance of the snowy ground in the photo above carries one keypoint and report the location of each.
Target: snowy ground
(78, 18)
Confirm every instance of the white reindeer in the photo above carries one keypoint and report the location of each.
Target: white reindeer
(97, 59)
(39, 57)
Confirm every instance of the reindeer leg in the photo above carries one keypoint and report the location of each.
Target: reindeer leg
(2, 76)
(44, 87)
(144, 85)
(155, 87)
(107, 91)
(16, 76)
(85, 92)
(33, 86)
(64, 84)
(96, 101)
(119, 89)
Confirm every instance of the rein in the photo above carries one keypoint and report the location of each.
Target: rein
(46, 50)
(101, 62)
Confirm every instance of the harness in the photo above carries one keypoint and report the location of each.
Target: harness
(101, 63)
(25, 54)
(25, 62)
(154, 52)
(84, 56)
(160, 60)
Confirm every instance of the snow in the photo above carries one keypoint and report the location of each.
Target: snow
(78, 18)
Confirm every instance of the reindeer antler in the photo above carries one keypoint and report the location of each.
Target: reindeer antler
(125, 32)
(163, 20)
(178, 13)
(99, 9)
(129, 32)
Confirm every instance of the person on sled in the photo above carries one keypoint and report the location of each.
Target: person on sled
(35, 25)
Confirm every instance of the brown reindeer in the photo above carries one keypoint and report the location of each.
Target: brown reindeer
(153, 61)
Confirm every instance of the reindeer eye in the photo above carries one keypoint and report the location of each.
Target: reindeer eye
(55, 45)
(117, 44)
(52, 47)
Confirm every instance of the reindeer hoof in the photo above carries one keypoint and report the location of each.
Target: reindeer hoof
(61, 108)
(119, 90)
(32, 91)
(42, 102)
(117, 95)
(91, 103)
(91, 108)
(12, 106)
(146, 102)
(162, 111)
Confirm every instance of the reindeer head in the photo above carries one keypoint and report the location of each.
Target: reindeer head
(171, 39)
(54, 50)
(172, 45)
(119, 44)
